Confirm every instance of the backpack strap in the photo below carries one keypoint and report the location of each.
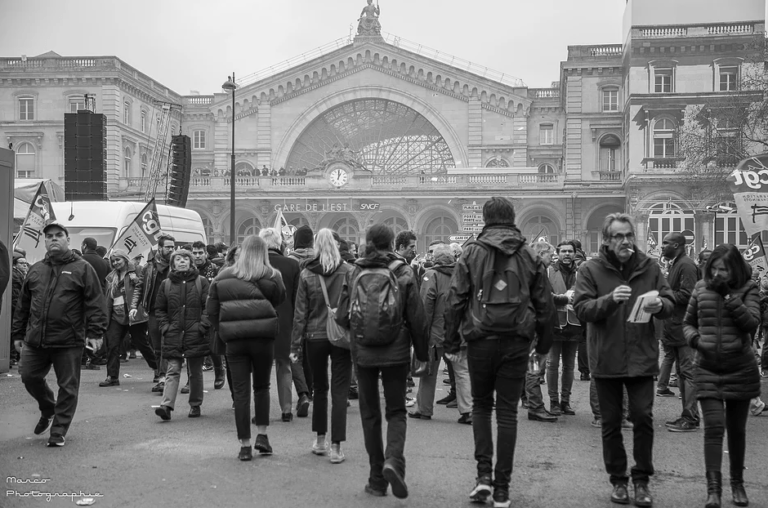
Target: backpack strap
(325, 291)
(394, 265)
(165, 286)
(199, 287)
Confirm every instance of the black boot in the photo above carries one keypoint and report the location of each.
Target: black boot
(737, 488)
(714, 489)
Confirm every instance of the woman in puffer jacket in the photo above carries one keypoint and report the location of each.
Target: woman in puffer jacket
(723, 313)
(241, 306)
(183, 321)
(310, 320)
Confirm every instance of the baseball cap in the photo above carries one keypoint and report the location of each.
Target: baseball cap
(55, 223)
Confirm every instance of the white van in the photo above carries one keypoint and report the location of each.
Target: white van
(106, 220)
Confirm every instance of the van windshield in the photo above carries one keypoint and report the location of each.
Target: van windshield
(104, 236)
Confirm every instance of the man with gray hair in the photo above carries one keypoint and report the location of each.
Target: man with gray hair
(284, 371)
(623, 350)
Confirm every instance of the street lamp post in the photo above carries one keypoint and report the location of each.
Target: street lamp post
(231, 86)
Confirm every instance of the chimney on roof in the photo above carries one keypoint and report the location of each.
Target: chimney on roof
(23, 58)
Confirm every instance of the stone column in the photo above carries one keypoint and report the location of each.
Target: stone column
(641, 235)
(475, 124)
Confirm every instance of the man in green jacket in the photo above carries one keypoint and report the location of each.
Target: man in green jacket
(623, 353)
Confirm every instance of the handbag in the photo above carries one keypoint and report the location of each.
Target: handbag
(337, 334)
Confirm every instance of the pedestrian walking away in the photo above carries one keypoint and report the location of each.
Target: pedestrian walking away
(241, 306)
(500, 300)
(722, 315)
(623, 354)
(60, 309)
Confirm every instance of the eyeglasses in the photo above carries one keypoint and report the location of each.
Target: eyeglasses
(621, 238)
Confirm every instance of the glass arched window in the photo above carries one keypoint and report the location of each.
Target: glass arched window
(665, 218)
(247, 228)
(497, 162)
(127, 163)
(663, 139)
(728, 227)
(144, 164)
(25, 161)
(594, 237)
(396, 224)
(297, 222)
(609, 150)
(377, 135)
(143, 121)
(541, 226)
(441, 229)
(547, 173)
(347, 229)
(127, 112)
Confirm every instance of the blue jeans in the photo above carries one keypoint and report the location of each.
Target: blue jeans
(496, 366)
(36, 363)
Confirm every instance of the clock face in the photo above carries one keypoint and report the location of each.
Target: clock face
(338, 177)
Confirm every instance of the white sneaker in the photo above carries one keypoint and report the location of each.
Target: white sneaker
(319, 448)
(757, 406)
(410, 402)
(337, 456)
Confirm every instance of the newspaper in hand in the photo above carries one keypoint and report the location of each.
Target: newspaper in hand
(638, 315)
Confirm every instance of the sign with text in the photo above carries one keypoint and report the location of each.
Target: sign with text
(141, 235)
(754, 255)
(363, 205)
(31, 238)
(749, 183)
(472, 217)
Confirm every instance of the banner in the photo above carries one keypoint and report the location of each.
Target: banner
(31, 238)
(141, 235)
(755, 256)
(749, 184)
(286, 230)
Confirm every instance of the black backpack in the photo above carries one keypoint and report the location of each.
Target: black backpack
(376, 306)
(500, 303)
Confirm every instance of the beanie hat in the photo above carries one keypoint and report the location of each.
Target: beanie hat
(181, 252)
(303, 238)
(120, 254)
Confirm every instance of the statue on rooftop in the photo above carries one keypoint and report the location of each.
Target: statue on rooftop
(368, 24)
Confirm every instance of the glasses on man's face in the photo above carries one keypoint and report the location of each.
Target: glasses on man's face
(620, 237)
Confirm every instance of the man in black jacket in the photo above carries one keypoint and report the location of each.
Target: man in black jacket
(98, 262)
(500, 299)
(61, 307)
(5, 270)
(682, 278)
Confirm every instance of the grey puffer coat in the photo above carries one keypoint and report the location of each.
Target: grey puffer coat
(720, 331)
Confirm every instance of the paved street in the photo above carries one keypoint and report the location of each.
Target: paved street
(118, 448)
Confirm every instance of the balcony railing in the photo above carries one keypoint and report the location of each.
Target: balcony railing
(317, 182)
(198, 100)
(660, 162)
(545, 93)
(609, 176)
(604, 50)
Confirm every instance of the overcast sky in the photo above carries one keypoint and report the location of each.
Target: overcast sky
(194, 44)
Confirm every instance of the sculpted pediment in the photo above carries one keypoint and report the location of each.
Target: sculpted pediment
(373, 53)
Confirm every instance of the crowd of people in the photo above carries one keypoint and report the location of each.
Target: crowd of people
(504, 314)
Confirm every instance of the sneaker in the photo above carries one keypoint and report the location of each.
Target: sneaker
(597, 423)
(320, 448)
(185, 388)
(353, 394)
(164, 412)
(194, 412)
(452, 405)
(683, 426)
(337, 456)
(584, 376)
(262, 445)
(482, 490)
(159, 387)
(757, 407)
(302, 407)
(410, 402)
(395, 480)
(373, 491)
(110, 382)
(43, 424)
(466, 419)
(132, 355)
(206, 368)
(56, 440)
(501, 498)
(673, 383)
(411, 382)
(245, 453)
(672, 422)
(287, 417)
(445, 400)
(666, 392)
(627, 425)
(419, 416)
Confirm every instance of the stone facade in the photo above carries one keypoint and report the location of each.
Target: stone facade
(567, 155)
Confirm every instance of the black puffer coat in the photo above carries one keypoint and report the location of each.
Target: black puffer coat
(241, 309)
(720, 331)
(181, 314)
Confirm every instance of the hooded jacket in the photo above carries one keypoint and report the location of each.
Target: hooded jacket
(131, 291)
(289, 270)
(616, 347)
(182, 316)
(243, 309)
(721, 333)
(414, 332)
(303, 255)
(311, 312)
(682, 278)
(467, 278)
(435, 286)
(60, 304)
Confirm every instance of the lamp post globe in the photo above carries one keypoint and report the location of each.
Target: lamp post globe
(230, 86)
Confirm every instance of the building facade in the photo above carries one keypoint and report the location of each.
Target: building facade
(380, 130)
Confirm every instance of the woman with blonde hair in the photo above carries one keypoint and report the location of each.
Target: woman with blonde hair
(241, 306)
(320, 285)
